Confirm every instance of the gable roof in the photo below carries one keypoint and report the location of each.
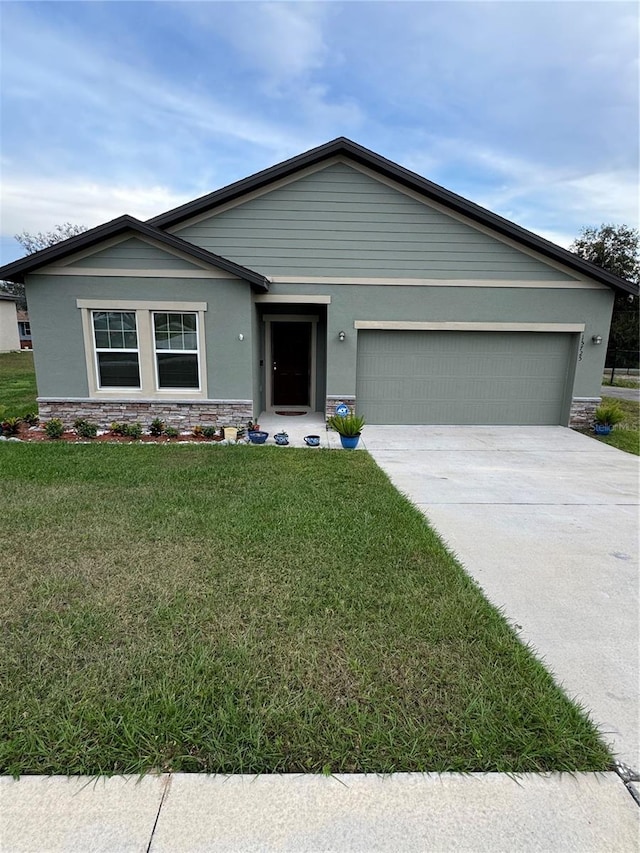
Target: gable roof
(352, 151)
(341, 146)
(17, 270)
(6, 297)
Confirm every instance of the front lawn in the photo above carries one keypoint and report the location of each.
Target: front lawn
(251, 610)
(626, 435)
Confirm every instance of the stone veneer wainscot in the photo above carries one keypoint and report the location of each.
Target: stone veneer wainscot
(582, 412)
(184, 414)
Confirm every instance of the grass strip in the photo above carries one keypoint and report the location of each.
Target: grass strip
(625, 435)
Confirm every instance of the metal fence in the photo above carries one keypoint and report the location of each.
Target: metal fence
(622, 362)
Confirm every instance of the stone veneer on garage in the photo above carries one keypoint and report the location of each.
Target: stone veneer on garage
(182, 415)
(582, 411)
(332, 401)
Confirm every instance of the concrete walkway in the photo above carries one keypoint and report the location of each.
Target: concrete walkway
(585, 813)
(546, 521)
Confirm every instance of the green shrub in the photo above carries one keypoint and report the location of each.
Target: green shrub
(608, 414)
(117, 428)
(85, 429)
(31, 419)
(133, 430)
(10, 426)
(210, 431)
(172, 432)
(156, 427)
(54, 428)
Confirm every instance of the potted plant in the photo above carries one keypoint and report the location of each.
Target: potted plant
(348, 427)
(606, 416)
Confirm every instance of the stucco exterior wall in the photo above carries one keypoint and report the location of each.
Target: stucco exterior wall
(57, 326)
(349, 303)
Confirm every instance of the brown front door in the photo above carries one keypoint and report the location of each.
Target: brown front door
(290, 363)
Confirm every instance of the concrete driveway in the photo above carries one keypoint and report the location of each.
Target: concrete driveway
(546, 521)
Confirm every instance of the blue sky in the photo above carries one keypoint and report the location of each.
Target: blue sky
(527, 108)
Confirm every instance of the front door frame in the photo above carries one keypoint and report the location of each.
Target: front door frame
(268, 358)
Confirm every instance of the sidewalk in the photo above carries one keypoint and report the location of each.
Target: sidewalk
(620, 393)
(347, 813)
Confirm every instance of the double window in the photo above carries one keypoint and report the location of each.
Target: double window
(151, 351)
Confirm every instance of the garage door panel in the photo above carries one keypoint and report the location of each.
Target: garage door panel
(462, 377)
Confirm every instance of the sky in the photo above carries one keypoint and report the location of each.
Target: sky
(529, 109)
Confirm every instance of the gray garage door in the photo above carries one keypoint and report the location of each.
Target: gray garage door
(462, 377)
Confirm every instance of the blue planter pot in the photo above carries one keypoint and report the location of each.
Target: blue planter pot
(602, 429)
(257, 436)
(349, 442)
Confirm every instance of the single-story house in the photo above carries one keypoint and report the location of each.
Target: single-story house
(24, 330)
(9, 339)
(336, 276)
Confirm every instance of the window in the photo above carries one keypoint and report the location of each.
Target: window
(116, 344)
(145, 350)
(176, 349)
(24, 328)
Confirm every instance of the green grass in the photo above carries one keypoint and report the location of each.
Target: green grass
(625, 435)
(252, 610)
(622, 382)
(17, 384)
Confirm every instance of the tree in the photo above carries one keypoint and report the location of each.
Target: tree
(34, 243)
(616, 248)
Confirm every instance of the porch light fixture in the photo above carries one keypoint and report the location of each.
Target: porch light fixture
(240, 337)
(341, 336)
(596, 339)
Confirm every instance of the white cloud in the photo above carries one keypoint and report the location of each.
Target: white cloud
(284, 41)
(38, 205)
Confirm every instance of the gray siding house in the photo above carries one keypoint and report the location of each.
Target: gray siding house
(334, 276)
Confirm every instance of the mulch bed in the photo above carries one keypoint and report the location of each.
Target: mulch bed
(26, 433)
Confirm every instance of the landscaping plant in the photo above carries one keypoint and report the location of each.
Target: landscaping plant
(608, 414)
(84, 428)
(54, 428)
(10, 426)
(156, 427)
(349, 425)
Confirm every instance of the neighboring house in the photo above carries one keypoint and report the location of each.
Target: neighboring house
(335, 276)
(24, 330)
(9, 339)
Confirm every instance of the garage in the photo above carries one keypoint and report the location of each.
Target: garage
(464, 377)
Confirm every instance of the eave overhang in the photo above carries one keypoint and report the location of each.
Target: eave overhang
(17, 270)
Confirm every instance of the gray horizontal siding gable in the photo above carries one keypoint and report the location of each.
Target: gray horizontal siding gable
(339, 221)
(134, 254)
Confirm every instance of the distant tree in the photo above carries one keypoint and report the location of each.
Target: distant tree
(43, 239)
(34, 243)
(616, 248)
(16, 290)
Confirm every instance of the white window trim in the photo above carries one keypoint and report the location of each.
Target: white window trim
(146, 349)
(97, 350)
(195, 352)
